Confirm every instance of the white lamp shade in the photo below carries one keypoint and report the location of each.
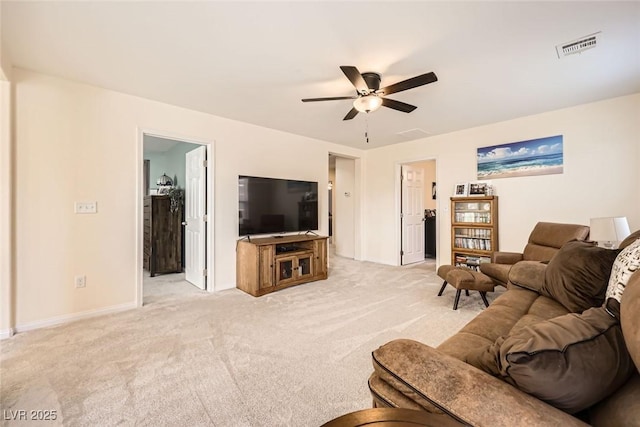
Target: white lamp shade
(368, 103)
(609, 229)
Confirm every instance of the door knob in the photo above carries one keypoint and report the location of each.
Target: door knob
(184, 223)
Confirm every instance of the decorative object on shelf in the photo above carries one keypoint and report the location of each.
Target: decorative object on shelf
(477, 189)
(164, 184)
(608, 232)
(164, 181)
(177, 198)
(433, 190)
(542, 156)
(461, 189)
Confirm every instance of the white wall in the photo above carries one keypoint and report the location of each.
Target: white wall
(5, 60)
(157, 166)
(601, 178)
(6, 189)
(171, 162)
(176, 158)
(77, 142)
(6, 192)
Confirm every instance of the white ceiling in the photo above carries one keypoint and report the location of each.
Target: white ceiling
(254, 61)
(156, 144)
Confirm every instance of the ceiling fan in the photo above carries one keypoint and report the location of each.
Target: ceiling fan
(369, 95)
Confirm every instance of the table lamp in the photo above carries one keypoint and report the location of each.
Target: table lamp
(609, 231)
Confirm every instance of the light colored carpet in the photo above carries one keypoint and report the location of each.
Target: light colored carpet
(297, 357)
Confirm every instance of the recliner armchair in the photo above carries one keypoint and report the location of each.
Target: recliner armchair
(544, 241)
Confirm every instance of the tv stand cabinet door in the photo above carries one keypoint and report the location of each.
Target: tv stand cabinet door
(266, 273)
(320, 252)
(305, 266)
(286, 267)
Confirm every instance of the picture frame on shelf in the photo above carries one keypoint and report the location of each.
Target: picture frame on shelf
(461, 189)
(478, 189)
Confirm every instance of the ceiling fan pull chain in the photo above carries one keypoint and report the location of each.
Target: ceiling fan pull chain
(366, 130)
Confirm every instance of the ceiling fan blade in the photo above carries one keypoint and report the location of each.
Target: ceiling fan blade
(333, 98)
(420, 80)
(355, 78)
(351, 114)
(397, 105)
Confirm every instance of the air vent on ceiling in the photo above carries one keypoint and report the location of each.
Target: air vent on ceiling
(414, 134)
(579, 45)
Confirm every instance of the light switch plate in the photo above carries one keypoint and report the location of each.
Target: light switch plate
(86, 207)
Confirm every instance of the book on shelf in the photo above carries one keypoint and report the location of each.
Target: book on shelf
(473, 243)
(462, 259)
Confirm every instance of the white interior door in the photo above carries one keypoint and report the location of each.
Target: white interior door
(412, 214)
(194, 216)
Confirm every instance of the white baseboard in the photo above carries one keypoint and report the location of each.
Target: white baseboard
(66, 318)
(223, 287)
(6, 333)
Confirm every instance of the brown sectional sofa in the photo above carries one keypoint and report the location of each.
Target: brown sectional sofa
(453, 379)
(543, 243)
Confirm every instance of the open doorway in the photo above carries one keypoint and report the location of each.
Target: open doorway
(418, 198)
(344, 206)
(332, 179)
(175, 197)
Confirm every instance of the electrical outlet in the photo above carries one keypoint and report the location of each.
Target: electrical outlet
(81, 281)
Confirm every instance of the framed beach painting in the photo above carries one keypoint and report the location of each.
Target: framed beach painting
(542, 156)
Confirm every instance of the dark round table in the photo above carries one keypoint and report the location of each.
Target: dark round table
(392, 417)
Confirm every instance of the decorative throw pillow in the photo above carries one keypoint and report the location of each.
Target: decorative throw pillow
(570, 362)
(578, 274)
(627, 262)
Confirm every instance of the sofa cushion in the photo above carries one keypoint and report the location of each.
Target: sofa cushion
(578, 274)
(527, 275)
(496, 271)
(570, 362)
(619, 409)
(629, 309)
(626, 263)
(486, 327)
(547, 237)
(630, 239)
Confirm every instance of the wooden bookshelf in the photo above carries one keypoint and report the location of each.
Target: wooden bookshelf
(474, 230)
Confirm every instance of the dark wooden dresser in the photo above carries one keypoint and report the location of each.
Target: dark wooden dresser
(162, 236)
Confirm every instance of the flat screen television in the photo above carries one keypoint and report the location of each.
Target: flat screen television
(272, 205)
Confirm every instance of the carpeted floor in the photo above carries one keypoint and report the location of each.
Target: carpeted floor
(298, 357)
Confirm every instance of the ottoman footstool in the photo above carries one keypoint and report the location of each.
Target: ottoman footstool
(467, 279)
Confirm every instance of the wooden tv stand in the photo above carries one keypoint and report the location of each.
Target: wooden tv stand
(268, 264)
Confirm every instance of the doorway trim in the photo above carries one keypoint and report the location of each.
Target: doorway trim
(358, 190)
(398, 207)
(139, 207)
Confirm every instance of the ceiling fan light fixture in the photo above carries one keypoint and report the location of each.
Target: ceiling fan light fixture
(367, 103)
